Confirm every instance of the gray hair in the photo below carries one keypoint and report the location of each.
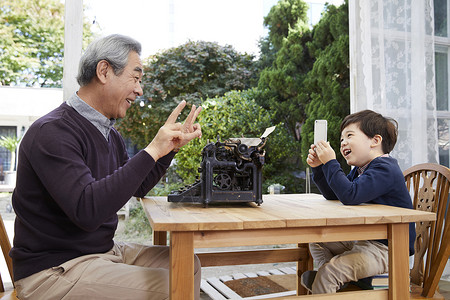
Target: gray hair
(113, 48)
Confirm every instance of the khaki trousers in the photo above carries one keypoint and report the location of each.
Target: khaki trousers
(127, 271)
(342, 262)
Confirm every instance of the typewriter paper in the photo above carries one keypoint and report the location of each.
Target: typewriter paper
(268, 131)
(252, 142)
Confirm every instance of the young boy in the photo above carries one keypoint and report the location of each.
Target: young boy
(366, 140)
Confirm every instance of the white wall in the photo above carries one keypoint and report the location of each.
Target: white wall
(20, 106)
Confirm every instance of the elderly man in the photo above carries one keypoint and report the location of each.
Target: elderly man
(73, 176)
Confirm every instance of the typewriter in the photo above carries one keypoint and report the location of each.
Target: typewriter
(230, 171)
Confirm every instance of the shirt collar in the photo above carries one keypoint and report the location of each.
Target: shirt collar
(102, 123)
(363, 168)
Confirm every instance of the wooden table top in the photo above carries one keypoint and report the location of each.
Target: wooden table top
(277, 211)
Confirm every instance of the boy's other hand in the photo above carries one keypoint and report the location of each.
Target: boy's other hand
(313, 160)
(324, 152)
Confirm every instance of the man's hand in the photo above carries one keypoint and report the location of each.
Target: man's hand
(189, 127)
(173, 136)
(324, 152)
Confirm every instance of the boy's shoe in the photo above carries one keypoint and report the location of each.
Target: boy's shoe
(307, 279)
(364, 283)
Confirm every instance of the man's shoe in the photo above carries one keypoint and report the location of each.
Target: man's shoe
(307, 279)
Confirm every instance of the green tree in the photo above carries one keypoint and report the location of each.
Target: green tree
(237, 114)
(283, 17)
(267, 54)
(282, 81)
(327, 85)
(191, 72)
(32, 43)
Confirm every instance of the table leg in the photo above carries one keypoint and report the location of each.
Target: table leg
(160, 238)
(398, 235)
(304, 264)
(181, 271)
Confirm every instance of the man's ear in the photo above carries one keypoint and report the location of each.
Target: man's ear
(102, 70)
(376, 140)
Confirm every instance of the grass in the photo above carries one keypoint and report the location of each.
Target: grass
(135, 229)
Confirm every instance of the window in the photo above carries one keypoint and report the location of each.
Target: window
(442, 71)
(5, 155)
(441, 17)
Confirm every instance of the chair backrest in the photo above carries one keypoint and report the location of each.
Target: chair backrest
(6, 247)
(429, 188)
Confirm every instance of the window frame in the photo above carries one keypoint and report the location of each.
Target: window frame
(442, 45)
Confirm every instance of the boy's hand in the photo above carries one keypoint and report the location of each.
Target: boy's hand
(324, 152)
(313, 160)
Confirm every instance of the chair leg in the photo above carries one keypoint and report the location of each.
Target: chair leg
(437, 268)
(2, 288)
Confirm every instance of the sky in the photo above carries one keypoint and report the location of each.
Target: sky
(162, 24)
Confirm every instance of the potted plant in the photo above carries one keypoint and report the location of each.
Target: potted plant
(10, 143)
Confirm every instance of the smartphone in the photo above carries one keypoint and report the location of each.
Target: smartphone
(320, 131)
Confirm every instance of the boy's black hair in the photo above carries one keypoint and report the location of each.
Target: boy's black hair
(372, 123)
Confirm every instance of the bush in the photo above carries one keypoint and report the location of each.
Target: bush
(237, 114)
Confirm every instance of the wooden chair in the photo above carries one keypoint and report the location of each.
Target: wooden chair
(429, 188)
(6, 247)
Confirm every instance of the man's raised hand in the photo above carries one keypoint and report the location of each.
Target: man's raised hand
(172, 135)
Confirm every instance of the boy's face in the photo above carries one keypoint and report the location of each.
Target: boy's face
(356, 147)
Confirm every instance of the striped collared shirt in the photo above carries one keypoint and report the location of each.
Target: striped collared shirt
(102, 123)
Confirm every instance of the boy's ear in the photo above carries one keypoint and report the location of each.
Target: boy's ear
(376, 140)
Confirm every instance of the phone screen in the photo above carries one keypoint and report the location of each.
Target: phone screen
(320, 131)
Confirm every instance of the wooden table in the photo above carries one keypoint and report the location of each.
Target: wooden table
(281, 219)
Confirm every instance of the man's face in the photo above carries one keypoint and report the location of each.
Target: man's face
(121, 91)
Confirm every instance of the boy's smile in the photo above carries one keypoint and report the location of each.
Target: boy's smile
(346, 152)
